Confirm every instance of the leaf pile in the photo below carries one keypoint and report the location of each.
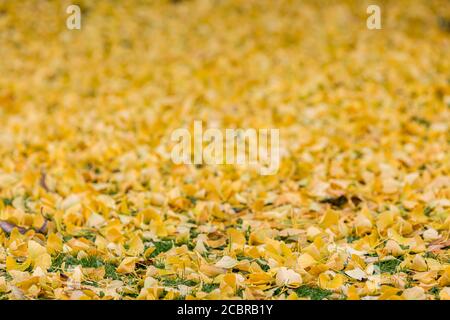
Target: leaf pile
(92, 207)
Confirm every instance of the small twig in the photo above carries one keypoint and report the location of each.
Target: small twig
(8, 227)
(42, 182)
(43, 228)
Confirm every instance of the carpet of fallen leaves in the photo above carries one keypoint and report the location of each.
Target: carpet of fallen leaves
(92, 207)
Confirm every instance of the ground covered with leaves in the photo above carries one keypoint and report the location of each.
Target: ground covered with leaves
(92, 207)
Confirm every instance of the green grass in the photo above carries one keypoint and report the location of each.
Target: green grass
(388, 266)
(314, 293)
(431, 255)
(90, 283)
(91, 262)
(435, 291)
(161, 246)
(110, 271)
(193, 233)
(174, 282)
(241, 257)
(192, 199)
(421, 121)
(261, 262)
(88, 262)
(427, 211)
(352, 238)
(87, 234)
(7, 201)
(159, 264)
(208, 287)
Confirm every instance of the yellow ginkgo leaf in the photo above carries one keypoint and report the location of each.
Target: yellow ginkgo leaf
(331, 282)
(11, 264)
(226, 262)
(330, 219)
(387, 292)
(236, 236)
(419, 263)
(305, 260)
(54, 244)
(288, 277)
(127, 265)
(414, 293)
(352, 293)
(444, 294)
(38, 255)
(136, 246)
(444, 280)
